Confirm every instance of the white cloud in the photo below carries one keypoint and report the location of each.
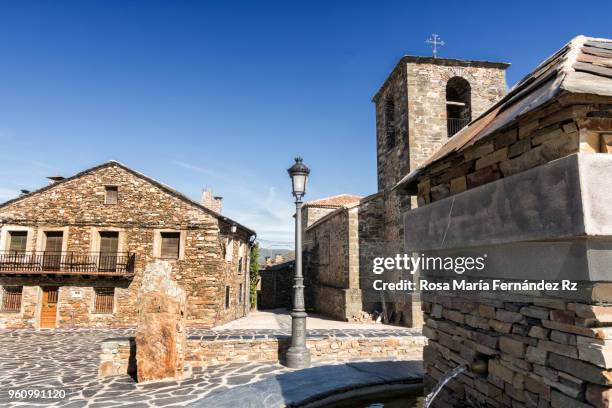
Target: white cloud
(271, 218)
(200, 169)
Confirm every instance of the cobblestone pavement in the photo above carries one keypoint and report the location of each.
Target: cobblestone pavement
(68, 359)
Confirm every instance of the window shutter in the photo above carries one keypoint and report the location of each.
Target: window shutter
(170, 244)
(104, 300)
(18, 241)
(11, 298)
(112, 194)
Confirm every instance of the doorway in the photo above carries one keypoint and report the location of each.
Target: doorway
(109, 244)
(48, 310)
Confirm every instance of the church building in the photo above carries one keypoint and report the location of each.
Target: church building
(422, 103)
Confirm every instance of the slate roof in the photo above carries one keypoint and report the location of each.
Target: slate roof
(156, 183)
(582, 66)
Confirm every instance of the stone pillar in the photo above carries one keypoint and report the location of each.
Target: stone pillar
(160, 334)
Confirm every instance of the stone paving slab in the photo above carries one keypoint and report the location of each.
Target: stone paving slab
(69, 359)
(294, 388)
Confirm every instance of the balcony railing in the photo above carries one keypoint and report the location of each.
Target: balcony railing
(104, 263)
(454, 125)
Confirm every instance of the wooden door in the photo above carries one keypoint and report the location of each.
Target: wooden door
(48, 311)
(52, 257)
(109, 243)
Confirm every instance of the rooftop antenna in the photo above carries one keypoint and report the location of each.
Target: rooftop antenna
(435, 42)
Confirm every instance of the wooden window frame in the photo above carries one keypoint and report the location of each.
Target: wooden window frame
(11, 295)
(115, 199)
(10, 235)
(176, 235)
(101, 303)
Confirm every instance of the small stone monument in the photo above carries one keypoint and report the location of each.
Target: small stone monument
(160, 334)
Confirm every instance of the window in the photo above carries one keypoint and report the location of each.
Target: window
(390, 123)
(227, 297)
(240, 261)
(104, 300)
(458, 105)
(11, 299)
(18, 241)
(112, 194)
(229, 249)
(241, 294)
(170, 244)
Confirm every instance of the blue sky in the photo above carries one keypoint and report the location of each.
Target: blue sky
(222, 95)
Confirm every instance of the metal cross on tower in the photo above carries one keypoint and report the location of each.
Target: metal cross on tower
(435, 42)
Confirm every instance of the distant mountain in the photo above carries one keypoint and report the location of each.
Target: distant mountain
(265, 252)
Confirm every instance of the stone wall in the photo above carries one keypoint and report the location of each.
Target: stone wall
(76, 206)
(417, 87)
(115, 355)
(27, 316)
(563, 127)
(312, 213)
(340, 250)
(541, 352)
(541, 347)
(427, 100)
(276, 286)
(118, 357)
(331, 265)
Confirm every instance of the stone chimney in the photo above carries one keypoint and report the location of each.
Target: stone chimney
(212, 202)
(55, 179)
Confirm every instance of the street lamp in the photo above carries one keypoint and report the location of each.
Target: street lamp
(298, 355)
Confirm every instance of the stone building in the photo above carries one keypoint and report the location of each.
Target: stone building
(333, 245)
(526, 185)
(276, 286)
(422, 104)
(72, 254)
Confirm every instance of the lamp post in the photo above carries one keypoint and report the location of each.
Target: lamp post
(298, 355)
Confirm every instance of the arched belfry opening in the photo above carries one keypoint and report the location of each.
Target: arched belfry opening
(458, 104)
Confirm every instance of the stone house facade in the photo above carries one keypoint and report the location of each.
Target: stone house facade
(527, 185)
(72, 254)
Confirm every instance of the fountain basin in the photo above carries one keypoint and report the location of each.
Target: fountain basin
(381, 396)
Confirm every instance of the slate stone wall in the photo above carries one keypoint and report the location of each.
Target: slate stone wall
(339, 250)
(541, 352)
(540, 348)
(115, 357)
(276, 287)
(550, 133)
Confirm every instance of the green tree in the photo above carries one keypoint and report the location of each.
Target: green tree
(254, 268)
